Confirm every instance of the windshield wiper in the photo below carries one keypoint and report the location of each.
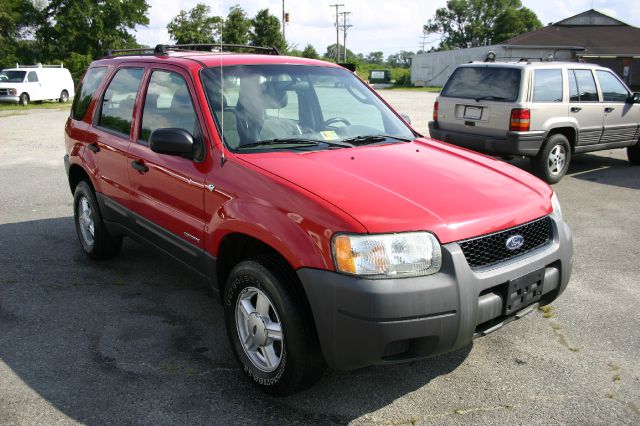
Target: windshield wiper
(491, 98)
(295, 141)
(366, 139)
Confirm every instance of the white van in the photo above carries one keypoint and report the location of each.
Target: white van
(28, 83)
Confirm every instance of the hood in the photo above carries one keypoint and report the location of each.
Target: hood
(421, 185)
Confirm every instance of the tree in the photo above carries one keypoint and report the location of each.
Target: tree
(400, 59)
(310, 52)
(469, 23)
(330, 54)
(195, 26)
(236, 26)
(266, 31)
(375, 58)
(89, 27)
(18, 19)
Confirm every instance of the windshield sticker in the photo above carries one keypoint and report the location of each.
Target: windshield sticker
(330, 135)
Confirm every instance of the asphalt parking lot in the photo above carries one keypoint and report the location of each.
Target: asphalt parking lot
(139, 340)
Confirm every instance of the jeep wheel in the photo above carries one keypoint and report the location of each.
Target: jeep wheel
(269, 329)
(96, 241)
(64, 97)
(24, 99)
(552, 162)
(633, 153)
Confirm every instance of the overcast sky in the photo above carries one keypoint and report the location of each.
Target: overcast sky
(377, 24)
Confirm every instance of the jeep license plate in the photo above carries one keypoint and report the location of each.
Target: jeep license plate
(524, 291)
(472, 113)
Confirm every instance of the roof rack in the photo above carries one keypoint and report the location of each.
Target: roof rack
(163, 49)
(39, 66)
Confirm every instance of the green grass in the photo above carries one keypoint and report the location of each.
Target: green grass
(415, 89)
(43, 105)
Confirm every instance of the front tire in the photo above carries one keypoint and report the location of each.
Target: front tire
(96, 241)
(552, 162)
(24, 99)
(64, 97)
(270, 330)
(633, 153)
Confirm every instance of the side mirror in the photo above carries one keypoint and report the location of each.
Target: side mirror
(635, 98)
(171, 141)
(406, 117)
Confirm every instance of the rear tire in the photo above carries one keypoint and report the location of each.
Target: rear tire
(270, 331)
(64, 97)
(96, 241)
(24, 99)
(552, 161)
(633, 153)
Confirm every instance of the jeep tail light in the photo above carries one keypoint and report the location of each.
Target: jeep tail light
(520, 120)
(435, 111)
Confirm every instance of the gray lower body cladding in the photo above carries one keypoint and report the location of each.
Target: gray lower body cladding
(363, 322)
(515, 143)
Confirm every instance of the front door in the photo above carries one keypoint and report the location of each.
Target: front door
(167, 191)
(34, 86)
(620, 116)
(585, 106)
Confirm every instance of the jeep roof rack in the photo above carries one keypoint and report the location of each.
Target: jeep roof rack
(163, 49)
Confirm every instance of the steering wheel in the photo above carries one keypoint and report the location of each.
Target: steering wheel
(333, 120)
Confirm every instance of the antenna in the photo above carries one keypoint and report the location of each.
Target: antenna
(222, 158)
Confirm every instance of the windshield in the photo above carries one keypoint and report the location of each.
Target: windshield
(12, 76)
(297, 107)
(483, 83)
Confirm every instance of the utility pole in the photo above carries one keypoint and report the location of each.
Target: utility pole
(283, 22)
(424, 40)
(337, 6)
(344, 32)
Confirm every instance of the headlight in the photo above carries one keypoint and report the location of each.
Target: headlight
(13, 92)
(557, 210)
(408, 254)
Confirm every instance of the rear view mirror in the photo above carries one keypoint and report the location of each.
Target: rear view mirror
(171, 141)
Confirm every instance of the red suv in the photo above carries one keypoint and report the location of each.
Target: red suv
(335, 234)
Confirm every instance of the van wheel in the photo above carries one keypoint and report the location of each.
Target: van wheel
(633, 153)
(271, 333)
(24, 99)
(552, 162)
(96, 241)
(64, 97)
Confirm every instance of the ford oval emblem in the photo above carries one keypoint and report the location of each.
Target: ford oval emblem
(515, 242)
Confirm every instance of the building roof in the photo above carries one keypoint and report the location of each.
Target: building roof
(596, 32)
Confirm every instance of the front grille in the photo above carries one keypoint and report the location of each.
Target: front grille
(4, 91)
(492, 248)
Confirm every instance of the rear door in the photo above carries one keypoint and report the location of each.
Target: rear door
(167, 191)
(112, 134)
(585, 106)
(620, 117)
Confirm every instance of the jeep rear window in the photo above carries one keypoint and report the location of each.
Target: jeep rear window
(484, 83)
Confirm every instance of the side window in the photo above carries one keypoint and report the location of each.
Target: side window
(89, 84)
(547, 86)
(612, 89)
(168, 104)
(119, 99)
(582, 86)
(32, 77)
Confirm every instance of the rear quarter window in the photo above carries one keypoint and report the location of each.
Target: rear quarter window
(90, 83)
(484, 83)
(547, 85)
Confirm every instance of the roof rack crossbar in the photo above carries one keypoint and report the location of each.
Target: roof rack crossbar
(162, 49)
(143, 50)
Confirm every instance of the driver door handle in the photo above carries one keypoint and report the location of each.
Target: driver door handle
(93, 147)
(609, 109)
(576, 109)
(139, 166)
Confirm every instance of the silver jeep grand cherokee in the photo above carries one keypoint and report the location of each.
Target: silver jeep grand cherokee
(542, 110)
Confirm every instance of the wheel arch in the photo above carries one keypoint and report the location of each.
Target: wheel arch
(76, 175)
(569, 132)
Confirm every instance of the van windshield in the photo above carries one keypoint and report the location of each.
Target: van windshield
(484, 83)
(12, 76)
(297, 107)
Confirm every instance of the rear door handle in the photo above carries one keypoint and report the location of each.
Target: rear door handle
(139, 166)
(609, 109)
(576, 109)
(93, 147)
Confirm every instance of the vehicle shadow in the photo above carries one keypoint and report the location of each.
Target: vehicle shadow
(596, 167)
(137, 339)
